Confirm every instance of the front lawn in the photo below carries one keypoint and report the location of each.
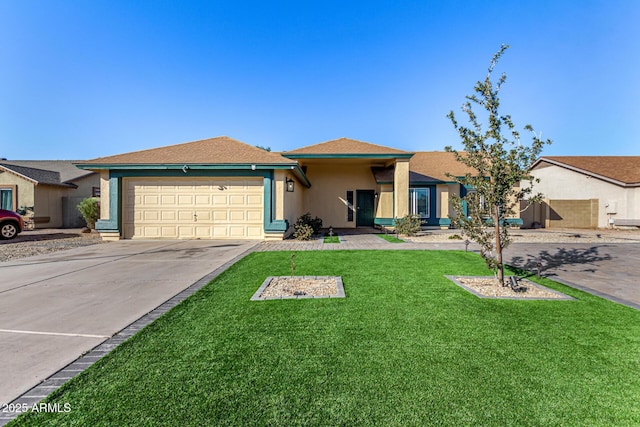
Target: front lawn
(406, 347)
(390, 238)
(331, 239)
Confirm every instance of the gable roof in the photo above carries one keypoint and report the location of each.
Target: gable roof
(50, 172)
(346, 148)
(620, 170)
(426, 167)
(219, 150)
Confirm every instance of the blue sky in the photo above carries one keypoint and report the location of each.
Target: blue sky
(90, 78)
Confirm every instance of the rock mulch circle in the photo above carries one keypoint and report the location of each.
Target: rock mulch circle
(299, 287)
(488, 287)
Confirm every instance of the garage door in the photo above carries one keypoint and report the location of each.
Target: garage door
(193, 208)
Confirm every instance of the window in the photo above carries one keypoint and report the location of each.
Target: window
(95, 191)
(6, 198)
(419, 201)
(349, 206)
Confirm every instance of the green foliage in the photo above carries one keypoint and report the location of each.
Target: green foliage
(455, 237)
(500, 162)
(408, 225)
(90, 210)
(305, 227)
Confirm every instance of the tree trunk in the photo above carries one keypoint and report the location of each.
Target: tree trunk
(496, 224)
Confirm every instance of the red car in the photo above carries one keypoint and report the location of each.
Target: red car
(10, 224)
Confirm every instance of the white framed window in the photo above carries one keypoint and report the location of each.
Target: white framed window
(419, 202)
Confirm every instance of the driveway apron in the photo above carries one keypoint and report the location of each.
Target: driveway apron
(55, 307)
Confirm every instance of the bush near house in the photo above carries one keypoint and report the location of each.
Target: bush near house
(408, 225)
(305, 227)
(90, 210)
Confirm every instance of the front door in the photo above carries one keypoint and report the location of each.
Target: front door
(365, 208)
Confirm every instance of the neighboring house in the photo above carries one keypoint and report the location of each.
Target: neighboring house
(48, 189)
(586, 192)
(223, 188)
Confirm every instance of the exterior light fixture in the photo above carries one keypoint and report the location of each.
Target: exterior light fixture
(185, 168)
(253, 167)
(289, 185)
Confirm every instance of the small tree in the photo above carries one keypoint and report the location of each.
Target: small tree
(500, 163)
(90, 210)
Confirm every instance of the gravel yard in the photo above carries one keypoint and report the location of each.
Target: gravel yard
(542, 236)
(38, 242)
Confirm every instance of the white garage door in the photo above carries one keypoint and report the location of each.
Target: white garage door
(193, 208)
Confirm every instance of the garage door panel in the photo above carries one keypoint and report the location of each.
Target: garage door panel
(193, 208)
(237, 200)
(254, 200)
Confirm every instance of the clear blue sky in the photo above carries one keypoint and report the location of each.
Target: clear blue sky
(84, 79)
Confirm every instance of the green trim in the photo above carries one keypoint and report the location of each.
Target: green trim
(347, 156)
(195, 169)
(113, 224)
(192, 166)
(384, 221)
(271, 225)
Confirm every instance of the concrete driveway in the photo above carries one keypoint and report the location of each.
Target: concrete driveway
(609, 270)
(54, 308)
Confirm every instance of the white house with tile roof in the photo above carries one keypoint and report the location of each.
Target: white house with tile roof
(586, 192)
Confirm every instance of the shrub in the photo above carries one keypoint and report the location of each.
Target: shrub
(408, 225)
(455, 237)
(305, 227)
(90, 210)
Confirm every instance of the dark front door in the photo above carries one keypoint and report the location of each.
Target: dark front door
(364, 208)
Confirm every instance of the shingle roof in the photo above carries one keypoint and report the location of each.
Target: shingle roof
(624, 170)
(65, 168)
(427, 167)
(46, 176)
(345, 146)
(432, 166)
(220, 150)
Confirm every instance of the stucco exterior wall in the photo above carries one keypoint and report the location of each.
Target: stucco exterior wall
(401, 187)
(558, 183)
(293, 206)
(384, 209)
(25, 189)
(327, 197)
(48, 206)
(104, 194)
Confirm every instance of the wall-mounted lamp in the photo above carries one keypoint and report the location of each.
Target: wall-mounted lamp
(253, 167)
(289, 185)
(376, 195)
(185, 168)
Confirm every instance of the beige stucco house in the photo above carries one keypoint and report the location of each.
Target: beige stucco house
(223, 188)
(586, 192)
(49, 189)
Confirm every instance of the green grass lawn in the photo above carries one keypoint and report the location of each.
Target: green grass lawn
(331, 239)
(406, 347)
(390, 238)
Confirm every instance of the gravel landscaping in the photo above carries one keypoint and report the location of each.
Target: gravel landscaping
(540, 236)
(39, 242)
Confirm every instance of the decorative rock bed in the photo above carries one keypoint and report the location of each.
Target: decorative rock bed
(488, 287)
(299, 287)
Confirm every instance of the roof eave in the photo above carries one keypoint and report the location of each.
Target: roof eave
(348, 156)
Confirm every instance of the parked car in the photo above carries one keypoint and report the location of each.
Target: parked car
(11, 224)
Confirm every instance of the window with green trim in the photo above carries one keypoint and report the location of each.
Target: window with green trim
(419, 202)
